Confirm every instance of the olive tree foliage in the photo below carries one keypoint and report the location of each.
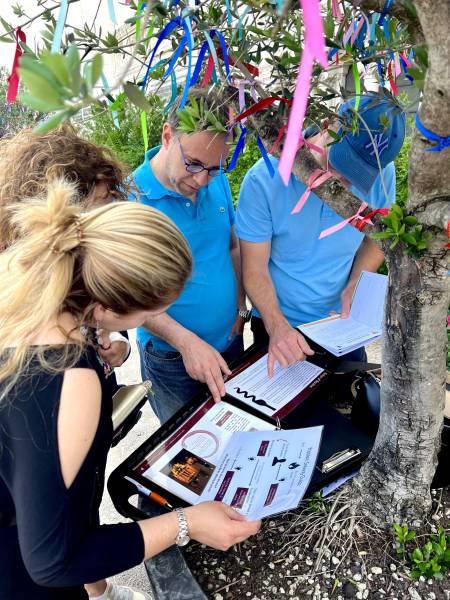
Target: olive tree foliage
(394, 484)
(13, 117)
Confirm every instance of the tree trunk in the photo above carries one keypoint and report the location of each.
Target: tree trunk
(394, 483)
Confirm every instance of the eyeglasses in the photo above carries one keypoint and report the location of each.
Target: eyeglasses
(195, 167)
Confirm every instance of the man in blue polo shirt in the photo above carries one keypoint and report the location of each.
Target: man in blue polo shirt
(292, 276)
(194, 339)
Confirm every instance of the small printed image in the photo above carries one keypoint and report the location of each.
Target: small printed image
(189, 470)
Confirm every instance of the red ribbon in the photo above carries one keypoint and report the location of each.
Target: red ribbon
(261, 105)
(13, 79)
(366, 219)
(250, 68)
(208, 72)
(448, 234)
(316, 178)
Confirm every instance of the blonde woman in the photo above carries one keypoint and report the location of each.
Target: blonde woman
(112, 267)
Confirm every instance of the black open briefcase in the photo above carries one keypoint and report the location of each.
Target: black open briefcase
(343, 449)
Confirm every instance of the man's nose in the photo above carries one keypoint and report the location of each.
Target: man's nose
(201, 179)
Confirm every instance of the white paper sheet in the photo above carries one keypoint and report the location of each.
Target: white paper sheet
(363, 326)
(264, 473)
(197, 444)
(253, 386)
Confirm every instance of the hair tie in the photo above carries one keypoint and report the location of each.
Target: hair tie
(78, 230)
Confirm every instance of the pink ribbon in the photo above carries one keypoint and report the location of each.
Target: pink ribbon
(405, 58)
(316, 179)
(398, 70)
(314, 50)
(336, 10)
(353, 220)
(357, 30)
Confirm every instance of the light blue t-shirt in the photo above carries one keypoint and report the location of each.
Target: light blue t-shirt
(308, 273)
(208, 303)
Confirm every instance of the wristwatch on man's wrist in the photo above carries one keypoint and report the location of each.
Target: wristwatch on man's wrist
(245, 314)
(182, 538)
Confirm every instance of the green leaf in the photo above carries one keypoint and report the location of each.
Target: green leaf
(410, 220)
(397, 528)
(41, 89)
(411, 240)
(135, 96)
(417, 555)
(53, 122)
(37, 103)
(395, 208)
(40, 69)
(73, 59)
(411, 534)
(57, 65)
(5, 38)
(394, 243)
(382, 235)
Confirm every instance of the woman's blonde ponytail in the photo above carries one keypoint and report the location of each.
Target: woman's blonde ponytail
(125, 256)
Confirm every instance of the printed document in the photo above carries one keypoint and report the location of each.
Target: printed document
(253, 386)
(186, 460)
(363, 326)
(265, 472)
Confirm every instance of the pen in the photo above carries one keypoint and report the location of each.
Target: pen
(152, 495)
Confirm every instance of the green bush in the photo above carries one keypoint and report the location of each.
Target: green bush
(126, 140)
(245, 161)
(401, 172)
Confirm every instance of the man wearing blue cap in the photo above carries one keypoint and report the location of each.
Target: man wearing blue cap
(292, 276)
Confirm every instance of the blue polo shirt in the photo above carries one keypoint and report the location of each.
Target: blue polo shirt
(208, 303)
(308, 273)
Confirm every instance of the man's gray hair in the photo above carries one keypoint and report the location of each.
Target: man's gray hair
(217, 101)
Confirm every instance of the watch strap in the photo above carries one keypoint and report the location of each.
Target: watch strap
(183, 530)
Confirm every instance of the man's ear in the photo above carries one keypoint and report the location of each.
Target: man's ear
(167, 135)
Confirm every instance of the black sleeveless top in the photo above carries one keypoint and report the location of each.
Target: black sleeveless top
(51, 542)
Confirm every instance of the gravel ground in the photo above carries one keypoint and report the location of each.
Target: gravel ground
(262, 570)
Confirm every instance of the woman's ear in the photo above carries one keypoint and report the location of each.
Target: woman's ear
(98, 313)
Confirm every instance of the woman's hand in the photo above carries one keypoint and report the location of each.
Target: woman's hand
(218, 525)
(113, 351)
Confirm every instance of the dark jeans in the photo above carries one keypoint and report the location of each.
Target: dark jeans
(172, 386)
(261, 338)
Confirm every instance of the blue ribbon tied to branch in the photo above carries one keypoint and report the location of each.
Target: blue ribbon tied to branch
(442, 141)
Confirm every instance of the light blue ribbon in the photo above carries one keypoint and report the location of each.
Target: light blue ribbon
(57, 36)
(112, 12)
(113, 112)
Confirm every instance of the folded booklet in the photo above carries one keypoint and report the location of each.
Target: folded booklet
(223, 453)
(363, 326)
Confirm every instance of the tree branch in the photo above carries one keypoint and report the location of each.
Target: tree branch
(398, 10)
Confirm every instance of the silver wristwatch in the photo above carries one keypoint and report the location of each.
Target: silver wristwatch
(245, 314)
(183, 530)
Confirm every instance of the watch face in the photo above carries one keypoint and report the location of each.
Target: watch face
(183, 540)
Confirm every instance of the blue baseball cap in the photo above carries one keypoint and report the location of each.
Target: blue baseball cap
(354, 156)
